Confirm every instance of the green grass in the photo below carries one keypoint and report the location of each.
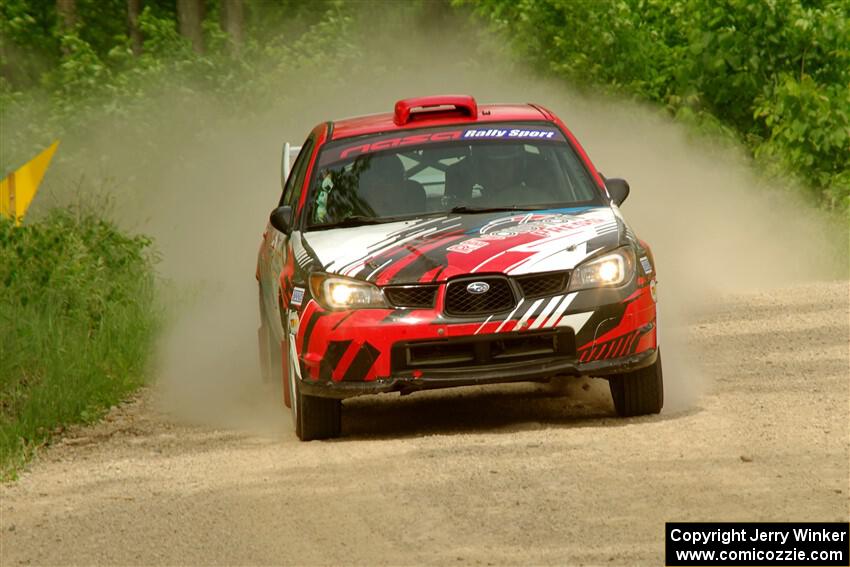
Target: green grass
(78, 318)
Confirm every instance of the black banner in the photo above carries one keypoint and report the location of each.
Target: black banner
(753, 543)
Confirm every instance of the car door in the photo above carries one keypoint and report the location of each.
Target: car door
(280, 261)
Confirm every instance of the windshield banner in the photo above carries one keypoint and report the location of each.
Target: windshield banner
(349, 149)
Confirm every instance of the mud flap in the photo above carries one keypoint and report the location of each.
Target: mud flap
(284, 367)
(265, 356)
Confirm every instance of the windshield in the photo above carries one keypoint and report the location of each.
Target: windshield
(457, 169)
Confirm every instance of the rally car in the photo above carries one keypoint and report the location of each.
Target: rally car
(449, 244)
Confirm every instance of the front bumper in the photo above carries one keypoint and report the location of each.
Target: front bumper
(537, 371)
(592, 332)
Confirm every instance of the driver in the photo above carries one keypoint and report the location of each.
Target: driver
(500, 167)
(511, 176)
(381, 184)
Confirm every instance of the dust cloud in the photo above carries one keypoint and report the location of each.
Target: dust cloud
(206, 200)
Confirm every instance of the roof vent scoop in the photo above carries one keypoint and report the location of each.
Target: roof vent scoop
(438, 106)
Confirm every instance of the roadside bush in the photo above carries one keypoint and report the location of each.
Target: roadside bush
(77, 323)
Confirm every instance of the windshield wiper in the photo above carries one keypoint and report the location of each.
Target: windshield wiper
(466, 209)
(356, 220)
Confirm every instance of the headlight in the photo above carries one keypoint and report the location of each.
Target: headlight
(334, 292)
(610, 270)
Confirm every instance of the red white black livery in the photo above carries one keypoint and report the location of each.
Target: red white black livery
(450, 244)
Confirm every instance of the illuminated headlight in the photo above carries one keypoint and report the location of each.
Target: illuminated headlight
(610, 270)
(334, 292)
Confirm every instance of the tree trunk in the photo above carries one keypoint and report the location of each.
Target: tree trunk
(134, 8)
(67, 12)
(190, 14)
(233, 20)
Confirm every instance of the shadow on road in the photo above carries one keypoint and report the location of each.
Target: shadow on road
(503, 409)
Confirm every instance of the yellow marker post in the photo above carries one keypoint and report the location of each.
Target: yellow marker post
(19, 187)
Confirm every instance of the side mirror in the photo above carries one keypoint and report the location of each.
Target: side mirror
(281, 219)
(618, 189)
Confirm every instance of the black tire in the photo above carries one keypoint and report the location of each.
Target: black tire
(640, 392)
(314, 417)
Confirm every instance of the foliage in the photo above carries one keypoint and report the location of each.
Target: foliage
(89, 73)
(776, 72)
(77, 324)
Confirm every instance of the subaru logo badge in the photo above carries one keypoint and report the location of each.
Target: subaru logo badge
(478, 288)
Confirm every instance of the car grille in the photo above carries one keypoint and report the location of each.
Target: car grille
(538, 285)
(499, 297)
(489, 350)
(412, 296)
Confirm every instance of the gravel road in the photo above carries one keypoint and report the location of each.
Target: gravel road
(522, 474)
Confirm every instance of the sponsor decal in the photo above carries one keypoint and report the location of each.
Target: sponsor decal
(293, 322)
(647, 267)
(467, 246)
(539, 225)
(399, 141)
(652, 291)
(508, 133)
(347, 149)
(297, 296)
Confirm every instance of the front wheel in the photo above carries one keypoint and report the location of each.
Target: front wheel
(639, 392)
(313, 417)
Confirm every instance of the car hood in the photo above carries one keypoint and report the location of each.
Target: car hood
(435, 248)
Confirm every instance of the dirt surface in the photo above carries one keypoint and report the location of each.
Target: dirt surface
(523, 474)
